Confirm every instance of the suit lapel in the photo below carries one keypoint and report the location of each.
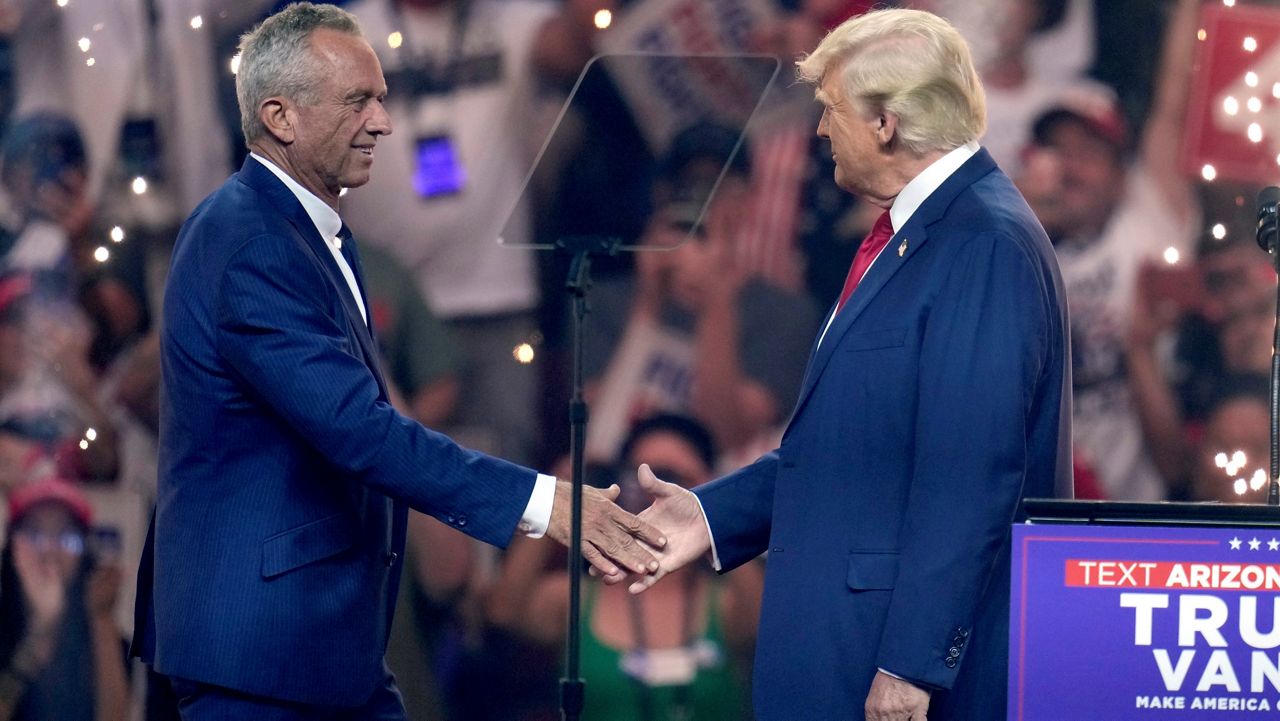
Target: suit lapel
(255, 175)
(901, 247)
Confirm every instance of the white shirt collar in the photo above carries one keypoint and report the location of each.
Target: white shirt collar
(922, 186)
(325, 218)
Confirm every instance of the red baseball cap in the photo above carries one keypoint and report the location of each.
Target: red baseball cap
(1094, 106)
(50, 490)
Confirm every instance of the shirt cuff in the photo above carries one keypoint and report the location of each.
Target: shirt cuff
(537, 515)
(715, 557)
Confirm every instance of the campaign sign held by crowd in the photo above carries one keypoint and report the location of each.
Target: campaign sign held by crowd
(1128, 622)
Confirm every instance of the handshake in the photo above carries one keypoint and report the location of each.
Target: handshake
(664, 537)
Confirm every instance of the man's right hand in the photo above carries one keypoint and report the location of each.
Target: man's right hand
(611, 537)
(677, 510)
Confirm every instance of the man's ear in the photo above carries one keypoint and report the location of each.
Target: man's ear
(888, 128)
(278, 118)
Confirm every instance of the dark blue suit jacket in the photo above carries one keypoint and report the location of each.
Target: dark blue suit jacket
(273, 560)
(938, 399)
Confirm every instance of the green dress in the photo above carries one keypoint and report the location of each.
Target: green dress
(715, 694)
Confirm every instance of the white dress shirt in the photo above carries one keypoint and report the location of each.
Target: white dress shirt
(537, 514)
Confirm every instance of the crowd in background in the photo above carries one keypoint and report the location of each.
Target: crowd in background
(118, 116)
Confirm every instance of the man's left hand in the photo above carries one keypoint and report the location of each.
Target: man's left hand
(892, 699)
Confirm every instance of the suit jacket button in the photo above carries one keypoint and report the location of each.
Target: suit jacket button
(953, 652)
(963, 633)
(950, 662)
(391, 558)
(958, 642)
(462, 521)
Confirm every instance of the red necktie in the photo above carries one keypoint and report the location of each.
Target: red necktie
(871, 246)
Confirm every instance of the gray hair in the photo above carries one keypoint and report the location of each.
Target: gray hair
(913, 64)
(275, 59)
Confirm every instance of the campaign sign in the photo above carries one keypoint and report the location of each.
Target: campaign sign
(1233, 114)
(1143, 622)
(682, 61)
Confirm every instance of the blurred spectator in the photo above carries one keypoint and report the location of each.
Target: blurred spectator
(463, 79)
(699, 336)
(1236, 429)
(138, 76)
(1220, 313)
(1107, 217)
(61, 655)
(421, 357)
(681, 654)
(48, 392)
(44, 173)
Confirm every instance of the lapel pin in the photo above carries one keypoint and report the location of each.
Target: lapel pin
(902, 249)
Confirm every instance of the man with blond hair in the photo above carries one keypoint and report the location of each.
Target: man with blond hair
(936, 399)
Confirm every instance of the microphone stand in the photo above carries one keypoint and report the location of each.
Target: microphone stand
(1268, 236)
(581, 250)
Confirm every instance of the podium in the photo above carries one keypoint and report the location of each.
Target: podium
(1144, 611)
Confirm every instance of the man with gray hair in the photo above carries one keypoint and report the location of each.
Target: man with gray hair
(272, 565)
(936, 399)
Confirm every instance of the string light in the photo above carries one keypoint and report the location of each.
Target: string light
(1171, 255)
(235, 63)
(1230, 105)
(139, 185)
(117, 234)
(1201, 35)
(1219, 231)
(1250, 44)
(1255, 105)
(1220, 460)
(343, 192)
(91, 434)
(1251, 79)
(84, 445)
(197, 22)
(523, 354)
(1208, 172)
(90, 62)
(1259, 480)
(395, 40)
(61, 3)
(1241, 487)
(97, 27)
(1229, 3)
(603, 19)
(102, 255)
(84, 44)
(1255, 132)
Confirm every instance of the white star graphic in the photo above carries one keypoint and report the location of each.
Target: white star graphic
(1254, 544)
(1235, 544)
(1273, 545)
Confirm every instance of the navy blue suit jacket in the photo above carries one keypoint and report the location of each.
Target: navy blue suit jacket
(938, 399)
(273, 560)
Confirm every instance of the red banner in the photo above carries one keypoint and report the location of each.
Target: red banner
(1233, 121)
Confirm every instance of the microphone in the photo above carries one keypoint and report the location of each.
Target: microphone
(1268, 200)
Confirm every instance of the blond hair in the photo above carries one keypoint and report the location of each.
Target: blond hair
(910, 63)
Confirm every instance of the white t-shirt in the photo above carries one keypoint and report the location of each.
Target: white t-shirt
(1100, 279)
(450, 242)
